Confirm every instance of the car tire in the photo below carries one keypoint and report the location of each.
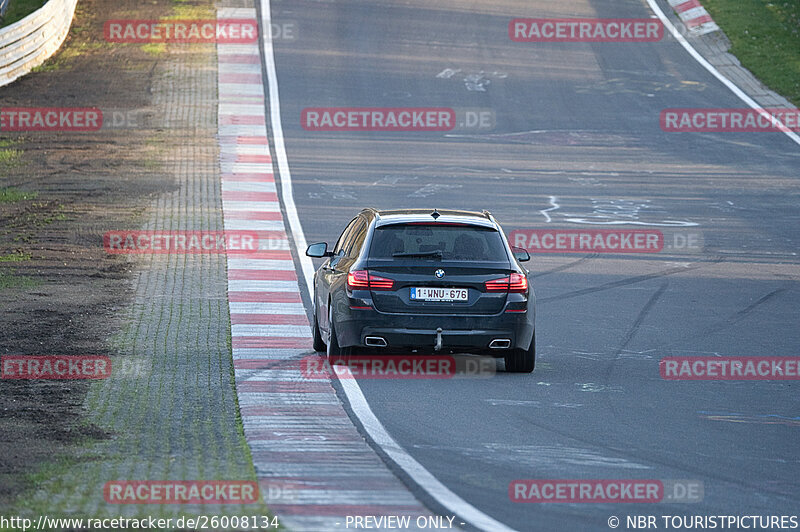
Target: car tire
(319, 343)
(334, 351)
(522, 360)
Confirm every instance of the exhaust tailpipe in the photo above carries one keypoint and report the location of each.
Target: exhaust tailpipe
(500, 343)
(375, 341)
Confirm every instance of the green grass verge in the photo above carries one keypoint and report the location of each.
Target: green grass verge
(9, 280)
(16, 256)
(9, 156)
(19, 9)
(12, 195)
(765, 36)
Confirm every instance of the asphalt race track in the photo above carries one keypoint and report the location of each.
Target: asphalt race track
(573, 142)
(164, 168)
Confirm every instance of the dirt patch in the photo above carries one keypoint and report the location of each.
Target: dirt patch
(60, 293)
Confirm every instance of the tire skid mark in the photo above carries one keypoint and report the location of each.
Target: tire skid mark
(750, 308)
(567, 266)
(642, 315)
(626, 282)
(738, 316)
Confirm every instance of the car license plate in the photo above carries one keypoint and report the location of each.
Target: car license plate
(439, 294)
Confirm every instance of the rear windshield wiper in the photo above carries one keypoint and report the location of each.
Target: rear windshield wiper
(435, 253)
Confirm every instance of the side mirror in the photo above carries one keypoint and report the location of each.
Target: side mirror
(319, 250)
(522, 255)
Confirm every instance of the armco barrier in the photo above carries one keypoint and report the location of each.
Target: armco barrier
(28, 43)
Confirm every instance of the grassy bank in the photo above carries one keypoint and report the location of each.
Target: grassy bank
(19, 9)
(765, 36)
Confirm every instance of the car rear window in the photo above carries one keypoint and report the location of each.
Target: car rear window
(455, 242)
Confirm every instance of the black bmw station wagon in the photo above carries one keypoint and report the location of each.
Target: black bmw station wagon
(424, 281)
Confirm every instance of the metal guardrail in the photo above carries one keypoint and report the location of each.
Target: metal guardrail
(28, 43)
(3, 7)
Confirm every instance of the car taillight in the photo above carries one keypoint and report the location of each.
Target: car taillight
(514, 283)
(363, 280)
(380, 283)
(518, 283)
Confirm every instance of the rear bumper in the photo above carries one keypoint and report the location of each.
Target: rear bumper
(425, 339)
(403, 332)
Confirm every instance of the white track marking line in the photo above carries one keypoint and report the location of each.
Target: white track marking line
(239, 68)
(271, 353)
(246, 149)
(553, 200)
(248, 186)
(229, 167)
(717, 74)
(289, 331)
(280, 150)
(241, 130)
(259, 264)
(241, 89)
(251, 206)
(421, 476)
(245, 307)
(254, 225)
(262, 286)
(234, 109)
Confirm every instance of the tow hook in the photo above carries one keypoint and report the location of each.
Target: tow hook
(438, 344)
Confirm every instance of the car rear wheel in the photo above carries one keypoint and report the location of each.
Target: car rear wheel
(334, 350)
(522, 360)
(319, 343)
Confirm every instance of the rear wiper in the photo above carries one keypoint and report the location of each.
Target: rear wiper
(435, 253)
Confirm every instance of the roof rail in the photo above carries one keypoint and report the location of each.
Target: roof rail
(372, 210)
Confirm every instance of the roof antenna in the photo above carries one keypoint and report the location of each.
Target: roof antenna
(435, 214)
